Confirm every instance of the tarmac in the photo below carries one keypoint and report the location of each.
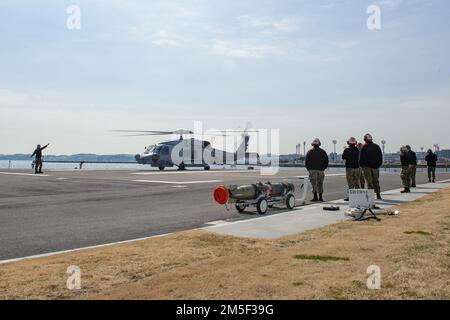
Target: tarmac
(66, 210)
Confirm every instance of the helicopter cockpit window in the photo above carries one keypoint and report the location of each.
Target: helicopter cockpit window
(157, 149)
(165, 150)
(149, 149)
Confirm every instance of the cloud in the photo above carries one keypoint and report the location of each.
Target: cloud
(166, 43)
(327, 6)
(242, 50)
(348, 44)
(282, 25)
(392, 4)
(159, 38)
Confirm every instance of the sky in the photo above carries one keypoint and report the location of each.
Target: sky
(308, 68)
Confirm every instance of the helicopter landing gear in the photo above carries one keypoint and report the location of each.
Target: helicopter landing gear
(206, 168)
(161, 168)
(182, 166)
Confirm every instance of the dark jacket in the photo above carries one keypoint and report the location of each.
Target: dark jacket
(316, 159)
(406, 159)
(351, 157)
(431, 159)
(413, 157)
(38, 152)
(371, 156)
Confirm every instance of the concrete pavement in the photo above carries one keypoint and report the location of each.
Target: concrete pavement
(311, 217)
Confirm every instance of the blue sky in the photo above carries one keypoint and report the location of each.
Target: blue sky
(309, 68)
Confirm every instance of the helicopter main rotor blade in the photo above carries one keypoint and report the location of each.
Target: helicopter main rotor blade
(146, 131)
(140, 134)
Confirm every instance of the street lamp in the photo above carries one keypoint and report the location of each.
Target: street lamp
(334, 149)
(436, 147)
(383, 143)
(383, 146)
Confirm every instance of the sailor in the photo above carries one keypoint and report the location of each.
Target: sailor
(316, 162)
(405, 175)
(351, 157)
(38, 158)
(413, 165)
(371, 159)
(431, 159)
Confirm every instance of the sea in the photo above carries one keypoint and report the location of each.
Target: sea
(58, 166)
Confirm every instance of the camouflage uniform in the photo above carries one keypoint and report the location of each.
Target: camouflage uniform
(412, 157)
(372, 177)
(317, 177)
(362, 181)
(353, 175)
(412, 172)
(406, 176)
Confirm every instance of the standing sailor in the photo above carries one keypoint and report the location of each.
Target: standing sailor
(316, 162)
(413, 165)
(405, 175)
(371, 159)
(431, 160)
(38, 159)
(351, 157)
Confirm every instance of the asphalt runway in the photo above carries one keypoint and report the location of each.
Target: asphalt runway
(64, 210)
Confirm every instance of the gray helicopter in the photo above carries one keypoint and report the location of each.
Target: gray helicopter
(188, 152)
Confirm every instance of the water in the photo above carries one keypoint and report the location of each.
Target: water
(26, 164)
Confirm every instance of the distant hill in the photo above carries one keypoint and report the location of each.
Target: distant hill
(89, 157)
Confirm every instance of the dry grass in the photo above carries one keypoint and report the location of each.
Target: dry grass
(412, 251)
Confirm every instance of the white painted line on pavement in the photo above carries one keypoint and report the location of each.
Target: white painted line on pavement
(82, 248)
(326, 175)
(25, 174)
(198, 171)
(178, 182)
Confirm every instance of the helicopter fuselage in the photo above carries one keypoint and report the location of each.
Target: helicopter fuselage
(185, 153)
(161, 155)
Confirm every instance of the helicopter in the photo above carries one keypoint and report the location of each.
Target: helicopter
(187, 152)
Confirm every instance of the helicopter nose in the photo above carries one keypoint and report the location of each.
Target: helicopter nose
(137, 157)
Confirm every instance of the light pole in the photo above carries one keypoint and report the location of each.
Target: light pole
(383, 146)
(304, 148)
(383, 143)
(334, 149)
(436, 148)
(421, 151)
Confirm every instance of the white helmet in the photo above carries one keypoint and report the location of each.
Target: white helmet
(316, 142)
(352, 141)
(368, 137)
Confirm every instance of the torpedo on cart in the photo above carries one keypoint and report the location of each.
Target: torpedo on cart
(259, 195)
